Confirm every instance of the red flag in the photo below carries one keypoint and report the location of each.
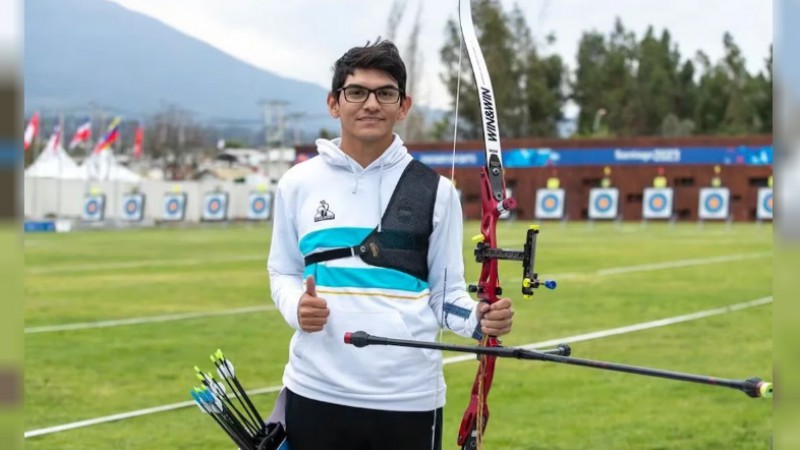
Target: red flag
(55, 139)
(82, 134)
(137, 142)
(31, 130)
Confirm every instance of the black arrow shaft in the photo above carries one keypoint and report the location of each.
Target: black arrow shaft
(646, 371)
(559, 355)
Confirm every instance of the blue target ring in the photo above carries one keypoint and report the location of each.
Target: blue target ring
(131, 206)
(768, 203)
(658, 202)
(550, 203)
(173, 205)
(603, 203)
(714, 203)
(92, 206)
(214, 206)
(258, 205)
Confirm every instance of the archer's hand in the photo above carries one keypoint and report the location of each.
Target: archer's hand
(495, 319)
(312, 311)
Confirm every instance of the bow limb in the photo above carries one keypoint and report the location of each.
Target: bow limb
(493, 203)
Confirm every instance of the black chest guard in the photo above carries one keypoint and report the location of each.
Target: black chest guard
(406, 227)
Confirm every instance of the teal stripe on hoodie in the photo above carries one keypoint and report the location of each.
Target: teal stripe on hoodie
(333, 238)
(372, 277)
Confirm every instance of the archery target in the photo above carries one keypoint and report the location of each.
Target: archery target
(174, 206)
(714, 203)
(549, 203)
(259, 206)
(93, 208)
(133, 207)
(215, 206)
(765, 200)
(657, 203)
(603, 203)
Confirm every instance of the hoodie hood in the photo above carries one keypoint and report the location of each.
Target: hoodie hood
(391, 157)
(333, 155)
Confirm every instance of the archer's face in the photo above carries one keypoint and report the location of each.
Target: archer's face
(372, 120)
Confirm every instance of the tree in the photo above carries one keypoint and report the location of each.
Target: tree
(657, 91)
(604, 83)
(729, 99)
(527, 88)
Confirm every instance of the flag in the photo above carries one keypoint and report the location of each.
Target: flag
(82, 134)
(31, 130)
(55, 138)
(137, 141)
(111, 136)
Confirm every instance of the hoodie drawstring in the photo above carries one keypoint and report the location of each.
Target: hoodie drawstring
(355, 175)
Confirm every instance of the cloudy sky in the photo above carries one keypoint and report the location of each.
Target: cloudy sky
(302, 38)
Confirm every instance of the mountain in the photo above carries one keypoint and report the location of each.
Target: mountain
(79, 52)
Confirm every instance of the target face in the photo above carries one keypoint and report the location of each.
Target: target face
(174, 206)
(93, 208)
(767, 204)
(550, 203)
(714, 203)
(133, 207)
(216, 206)
(603, 203)
(658, 202)
(259, 205)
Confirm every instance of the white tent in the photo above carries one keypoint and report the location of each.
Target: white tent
(104, 167)
(54, 163)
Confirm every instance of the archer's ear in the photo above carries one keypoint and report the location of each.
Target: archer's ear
(404, 108)
(333, 106)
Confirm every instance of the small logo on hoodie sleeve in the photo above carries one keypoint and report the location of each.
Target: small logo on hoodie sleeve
(324, 212)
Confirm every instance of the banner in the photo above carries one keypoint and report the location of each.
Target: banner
(603, 203)
(133, 207)
(714, 203)
(563, 157)
(174, 206)
(764, 209)
(657, 203)
(549, 203)
(94, 207)
(215, 206)
(259, 206)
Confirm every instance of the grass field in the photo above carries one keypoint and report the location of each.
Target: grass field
(105, 275)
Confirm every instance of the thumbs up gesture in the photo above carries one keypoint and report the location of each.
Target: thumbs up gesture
(312, 311)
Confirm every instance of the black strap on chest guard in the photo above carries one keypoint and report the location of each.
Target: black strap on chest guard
(406, 227)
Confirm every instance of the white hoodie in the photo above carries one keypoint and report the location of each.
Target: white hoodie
(380, 301)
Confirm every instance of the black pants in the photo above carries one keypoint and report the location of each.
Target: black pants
(315, 425)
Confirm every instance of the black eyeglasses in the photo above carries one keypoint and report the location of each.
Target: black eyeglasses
(359, 94)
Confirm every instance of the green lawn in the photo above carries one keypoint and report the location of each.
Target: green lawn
(108, 275)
